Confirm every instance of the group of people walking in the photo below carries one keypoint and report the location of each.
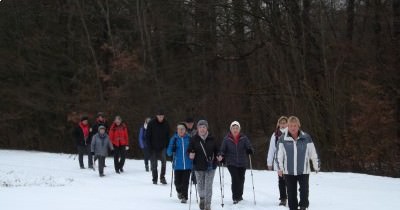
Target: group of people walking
(196, 154)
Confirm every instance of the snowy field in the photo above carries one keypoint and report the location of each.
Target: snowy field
(45, 181)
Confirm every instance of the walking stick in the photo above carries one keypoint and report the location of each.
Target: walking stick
(220, 185)
(190, 191)
(252, 180)
(172, 175)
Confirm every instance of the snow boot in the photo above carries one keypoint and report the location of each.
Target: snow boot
(235, 201)
(184, 200)
(202, 203)
(283, 202)
(163, 181)
(303, 208)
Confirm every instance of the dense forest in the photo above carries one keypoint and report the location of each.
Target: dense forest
(333, 63)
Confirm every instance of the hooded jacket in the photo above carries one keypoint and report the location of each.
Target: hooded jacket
(294, 155)
(178, 147)
(236, 154)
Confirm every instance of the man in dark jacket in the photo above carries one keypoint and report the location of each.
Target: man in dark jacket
(82, 141)
(157, 136)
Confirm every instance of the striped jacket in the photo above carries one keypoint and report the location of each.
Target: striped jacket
(294, 156)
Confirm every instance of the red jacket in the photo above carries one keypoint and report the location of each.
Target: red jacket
(119, 135)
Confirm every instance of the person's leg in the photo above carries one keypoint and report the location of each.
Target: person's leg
(282, 188)
(291, 183)
(178, 182)
(163, 164)
(185, 183)
(146, 158)
(304, 183)
(80, 156)
(209, 179)
(200, 177)
(241, 174)
(116, 158)
(153, 162)
(235, 182)
(102, 161)
(90, 157)
(123, 157)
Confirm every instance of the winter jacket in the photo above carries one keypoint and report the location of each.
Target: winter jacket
(157, 135)
(119, 135)
(79, 136)
(178, 147)
(294, 156)
(202, 162)
(142, 138)
(101, 144)
(95, 127)
(236, 154)
(271, 155)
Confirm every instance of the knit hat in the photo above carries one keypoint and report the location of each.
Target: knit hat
(84, 117)
(102, 127)
(182, 124)
(160, 112)
(235, 123)
(202, 122)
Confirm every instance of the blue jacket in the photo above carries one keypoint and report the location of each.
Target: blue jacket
(180, 144)
(142, 138)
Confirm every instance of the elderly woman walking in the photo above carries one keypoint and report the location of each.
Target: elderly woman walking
(235, 149)
(203, 150)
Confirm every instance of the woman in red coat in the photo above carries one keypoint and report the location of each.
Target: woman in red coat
(119, 138)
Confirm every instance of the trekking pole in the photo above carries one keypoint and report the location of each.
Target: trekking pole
(220, 185)
(172, 173)
(252, 180)
(190, 191)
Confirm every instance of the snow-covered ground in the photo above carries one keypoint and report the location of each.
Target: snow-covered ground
(37, 180)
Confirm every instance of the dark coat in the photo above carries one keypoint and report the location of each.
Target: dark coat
(201, 162)
(236, 154)
(157, 135)
(95, 129)
(79, 137)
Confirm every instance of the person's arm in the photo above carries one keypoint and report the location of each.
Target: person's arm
(280, 158)
(170, 148)
(141, 142)
(110, 144)
(312, 153)
(148, 134)
(249, 147)
(271, 152)
(93, 145)
(223, 148)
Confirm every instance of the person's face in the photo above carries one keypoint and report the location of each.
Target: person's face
(293, 128)
(283, 124)
(189, 125)
(160, 118)
(102, 131)
(85, 122)
(118, 121)
(235, 130)
(202, 129)
(101, 118)
(181, 130)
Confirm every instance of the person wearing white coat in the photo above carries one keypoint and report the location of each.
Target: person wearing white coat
(281, 128)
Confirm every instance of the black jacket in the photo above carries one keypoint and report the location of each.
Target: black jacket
(79, 137)
(202, 162)
(157, 135)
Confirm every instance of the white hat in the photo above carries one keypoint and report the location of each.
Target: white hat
(235, 123)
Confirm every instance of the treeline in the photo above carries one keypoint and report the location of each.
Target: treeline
(334, 64)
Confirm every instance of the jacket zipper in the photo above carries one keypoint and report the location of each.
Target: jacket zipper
(183, 154)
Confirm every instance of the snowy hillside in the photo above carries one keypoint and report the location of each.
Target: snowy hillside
(44, 181)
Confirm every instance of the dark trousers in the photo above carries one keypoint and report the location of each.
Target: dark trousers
(146, 155)
(154, 157)
(237, 176)
(182, 182)
(85, 150)
(102, 163)
(282, 188)
(291, 183)
(119, 157)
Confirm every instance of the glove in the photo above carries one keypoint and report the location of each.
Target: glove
(112, 152)
(280, 173)
(92, 153)
(191, 155)
(126, 147)
(249, 151)
(269, 168)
